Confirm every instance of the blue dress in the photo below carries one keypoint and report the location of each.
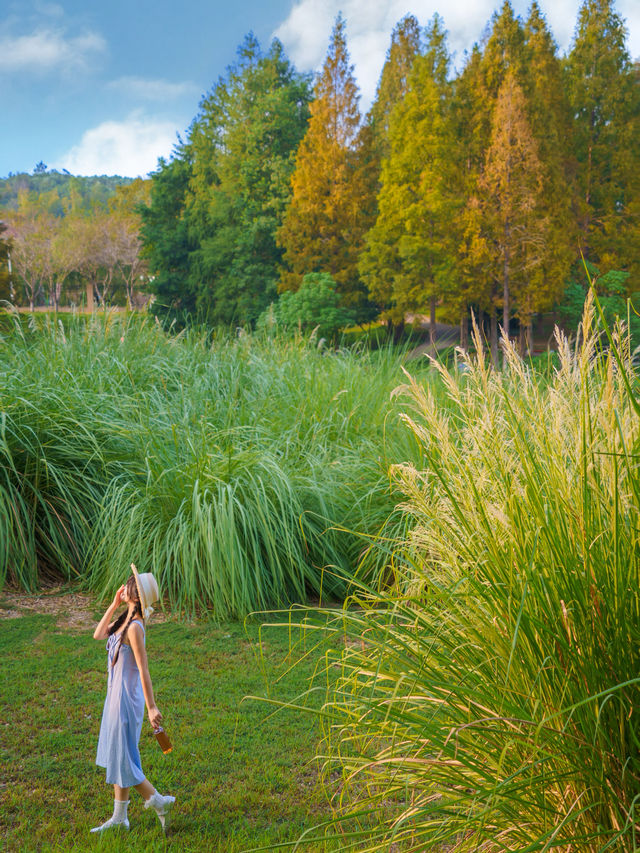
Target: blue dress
(122, 718)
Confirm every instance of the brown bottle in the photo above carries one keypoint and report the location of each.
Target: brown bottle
(163, 740)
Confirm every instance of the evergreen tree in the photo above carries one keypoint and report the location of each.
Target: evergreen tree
(510, 230)
(406, 45)
(210, 231)
(549, 116)
(323, 228)
(605, 100)
(504, 52)
(378, 265)
(475, 101)
(243, 144)
(468, 117)
(407, 262)
(165, 237)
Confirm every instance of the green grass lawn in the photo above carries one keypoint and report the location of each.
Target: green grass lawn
(243, 779)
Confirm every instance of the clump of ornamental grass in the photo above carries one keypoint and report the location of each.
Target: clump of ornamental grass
(488, 700)
(234, 467)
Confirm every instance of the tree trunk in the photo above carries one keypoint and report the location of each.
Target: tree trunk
(89, 292)
(505, 292)
(432, 321)
(463, 328)
(396, 330)
(494, 336)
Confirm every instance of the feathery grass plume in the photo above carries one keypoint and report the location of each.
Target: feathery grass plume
(488, 700)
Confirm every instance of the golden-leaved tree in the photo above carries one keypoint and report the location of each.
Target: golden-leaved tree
(323, 228)
(510, 230)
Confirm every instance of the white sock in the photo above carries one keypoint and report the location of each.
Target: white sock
(118, 818)
(120, 810)
(159, 802)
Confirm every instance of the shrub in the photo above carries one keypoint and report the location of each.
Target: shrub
(315, 305)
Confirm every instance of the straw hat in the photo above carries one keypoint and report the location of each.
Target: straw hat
(147, 590)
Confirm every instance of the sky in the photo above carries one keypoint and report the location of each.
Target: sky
(105, 88)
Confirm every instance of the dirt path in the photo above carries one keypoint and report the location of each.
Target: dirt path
(73, 610)
(445, 337)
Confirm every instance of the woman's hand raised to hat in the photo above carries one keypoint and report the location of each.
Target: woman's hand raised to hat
(155, 717)
(118, 600)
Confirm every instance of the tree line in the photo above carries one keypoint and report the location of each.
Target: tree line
(70, 240)
(481, 190)
(500, 189)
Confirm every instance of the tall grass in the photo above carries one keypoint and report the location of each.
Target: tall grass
(234, 467)
(488, 701)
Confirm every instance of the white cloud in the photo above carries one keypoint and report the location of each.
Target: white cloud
(306, 31)
(152, 90)
(48, 49)
(129, 148)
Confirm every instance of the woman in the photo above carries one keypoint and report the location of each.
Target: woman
(129, 687)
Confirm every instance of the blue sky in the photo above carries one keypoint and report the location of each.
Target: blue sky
(105, 87)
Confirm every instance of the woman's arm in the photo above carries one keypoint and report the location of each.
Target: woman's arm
(102, 631)
(135, 636)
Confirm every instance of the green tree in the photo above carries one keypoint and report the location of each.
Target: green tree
(166, 240)
(504, 52)
(476, 93)
(468, 120)
(406, 45)
(243, 145)
(408, 257)
(375, 147)
(605, 99)
(209, 231)
(549, 116)
(323, 228)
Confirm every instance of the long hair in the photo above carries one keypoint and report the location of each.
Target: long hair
(132, 595)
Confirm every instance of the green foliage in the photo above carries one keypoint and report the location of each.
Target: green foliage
(612, 289)
(315, 305)
(406, 45)
(57, 193)
(215, 208)
(166, 241)
(491, 692)
(245, 470)
(409, 254)
(605, 98)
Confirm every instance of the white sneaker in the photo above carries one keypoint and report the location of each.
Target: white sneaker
(111, 824)
(162, 806)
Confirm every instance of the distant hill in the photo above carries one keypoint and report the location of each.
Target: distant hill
(58, 191)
